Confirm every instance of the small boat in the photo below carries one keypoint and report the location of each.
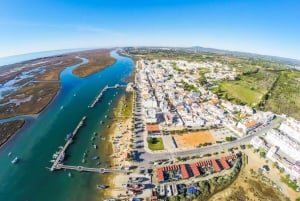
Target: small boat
(101, 122)
(15, 160)
(83, 160)
(74, 95)
(69, 174)
(92, 138)
(61, 107)
(9, 154)
(105, 116)
(101, 186)
(94, 133)
(98, 163)
(52, 161)
(95, 146)
(95, 158)
(84, 154)
(135, 187)
(110, 199)
(69, 136)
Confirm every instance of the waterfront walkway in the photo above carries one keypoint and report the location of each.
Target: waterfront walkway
(98, 97)
(87, 169)
(61, 153)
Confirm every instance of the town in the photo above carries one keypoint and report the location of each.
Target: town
(185, 135)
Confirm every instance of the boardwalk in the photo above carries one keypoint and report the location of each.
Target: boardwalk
(87, 169)
(98, 97)
(61, 153)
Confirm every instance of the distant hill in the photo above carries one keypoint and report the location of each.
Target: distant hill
(288, 61)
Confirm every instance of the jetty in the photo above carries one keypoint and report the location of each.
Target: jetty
(87, 169)
(60, 157)
(99, 96)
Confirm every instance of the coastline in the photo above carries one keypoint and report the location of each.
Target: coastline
(121, 127)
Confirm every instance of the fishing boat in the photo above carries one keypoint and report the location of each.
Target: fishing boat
(15, 160)
(95, 146)
(136, 187)
(92, 138)
(95, 158)
(101, 186)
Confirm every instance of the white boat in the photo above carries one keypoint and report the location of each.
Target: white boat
(61, 107)
(95, 146)
(15, 160)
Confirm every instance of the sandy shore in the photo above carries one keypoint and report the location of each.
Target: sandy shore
(120, 135)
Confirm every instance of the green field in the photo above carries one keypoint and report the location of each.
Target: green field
(248, 89)
(155, 144)
(289, 183)
(285, 96)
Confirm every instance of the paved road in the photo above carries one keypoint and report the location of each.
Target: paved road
(145, 156)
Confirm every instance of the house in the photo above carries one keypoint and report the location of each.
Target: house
(248, 125)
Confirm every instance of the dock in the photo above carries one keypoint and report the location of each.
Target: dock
(58, 160)
(87, 169)
(98, 97)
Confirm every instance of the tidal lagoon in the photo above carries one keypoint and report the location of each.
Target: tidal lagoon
(39, 140)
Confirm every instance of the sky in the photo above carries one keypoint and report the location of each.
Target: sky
(259, 26)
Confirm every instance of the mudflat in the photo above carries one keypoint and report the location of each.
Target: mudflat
(98, 60)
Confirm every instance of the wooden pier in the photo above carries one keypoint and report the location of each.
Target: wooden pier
(87, 169)
(98, 97)
(62, 152)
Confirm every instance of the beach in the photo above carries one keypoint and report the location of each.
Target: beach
(120, 135)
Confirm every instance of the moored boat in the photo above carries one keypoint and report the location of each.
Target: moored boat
(15, 160)
(136, 187)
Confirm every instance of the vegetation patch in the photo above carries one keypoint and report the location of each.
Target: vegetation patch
(8, 129)
(155, 143)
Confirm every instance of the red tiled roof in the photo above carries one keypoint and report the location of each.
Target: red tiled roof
(224, 163)
(184, 172)
(215, 165)
(195, 170)
(152, 128)
(160, 174)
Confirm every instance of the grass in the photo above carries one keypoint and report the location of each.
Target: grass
(289, 183)
(249, 89)
(285, 96)
(155, 144)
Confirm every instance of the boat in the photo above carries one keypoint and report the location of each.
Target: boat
(52, 161)
(61, 107)
(110, 199)
(9, 154)
(15, 160)
(136, 187)
(101, 122)
(105, 116)
(95, 146)
(74, 95)
(95, 158)
(69, 174)
(83, 160)
(101, 186)
(92, 138)
(68, 136)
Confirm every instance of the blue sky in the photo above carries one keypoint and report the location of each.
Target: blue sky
(261, 26)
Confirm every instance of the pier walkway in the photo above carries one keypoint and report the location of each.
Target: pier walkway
(61, 153)
(87, 169)
(98, 97)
